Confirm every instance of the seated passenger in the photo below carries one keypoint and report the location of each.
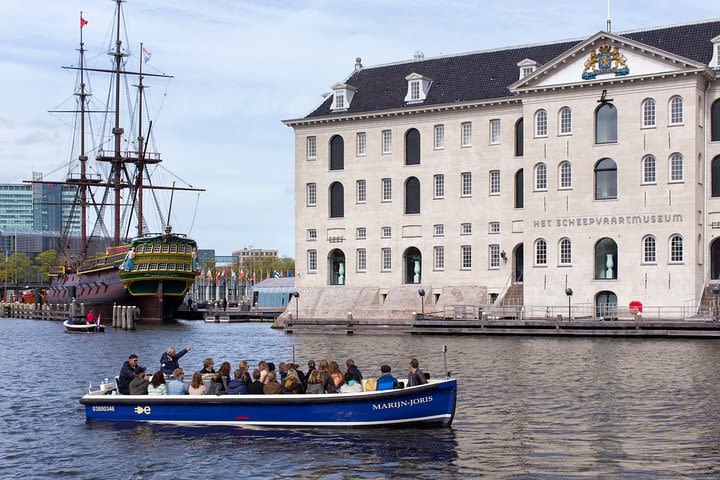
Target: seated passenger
(282, 371)
(157, 384)
(300, 374)
(245, 367)
(292, 383)
(238, 386)
(216, 386)
(315, 382)
(386, 381)
(416, 376)
(256, 387)
(177, 385)
(352, 386)
(197, 387)
(328, 382)
(352, 372)
(271, 385)
(127, 374)
(336, 375)
(224, 374)
(262, 366)
(139, 384)
(208, 366)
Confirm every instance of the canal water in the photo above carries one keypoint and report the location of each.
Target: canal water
(527, 408)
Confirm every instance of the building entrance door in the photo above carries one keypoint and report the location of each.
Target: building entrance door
(715, 259)
(518, 263)
(413, 265)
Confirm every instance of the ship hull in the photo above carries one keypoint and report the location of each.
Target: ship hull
(99, 291)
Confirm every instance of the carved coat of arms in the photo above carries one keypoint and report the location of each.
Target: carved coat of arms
(605, 60)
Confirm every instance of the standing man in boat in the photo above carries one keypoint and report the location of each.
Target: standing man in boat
(169, 360)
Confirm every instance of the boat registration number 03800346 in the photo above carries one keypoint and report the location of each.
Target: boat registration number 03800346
(402, 403)
(103, 408)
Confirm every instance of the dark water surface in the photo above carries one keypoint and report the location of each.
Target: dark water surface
(527, 408)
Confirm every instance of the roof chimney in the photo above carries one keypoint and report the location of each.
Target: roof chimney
(358, 64)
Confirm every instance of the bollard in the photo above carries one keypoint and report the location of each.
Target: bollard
(123, 317)
(349, 323)
(114, 316)
(130, 318)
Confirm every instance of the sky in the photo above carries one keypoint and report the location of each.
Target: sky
(240, 68)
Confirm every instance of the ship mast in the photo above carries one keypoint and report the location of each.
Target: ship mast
(141, 149)
(117, 131)
(83, 157)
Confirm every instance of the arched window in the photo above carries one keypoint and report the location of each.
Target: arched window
(337, 200)
(676, 249)
(649, 170)
(715, 121)
(540, 177)
(606, 305)
(336, 267)
(606, 123)
(606, 259)
(519, 145)
(605, 179)
(412, 147)
(648, 113)
(540, 252)
(541, 124)
(565, 121)
(649, 247)
(565, 251)
(519, 197)
(677, 168)
(337, 153)
(715, 176)
(412, 195)
(565, 174)
(676, 110)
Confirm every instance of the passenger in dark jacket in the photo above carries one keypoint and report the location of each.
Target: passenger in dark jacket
(328, 382)
(170, 360)
(238, 386)
(256, 387)
(311, 368)
(127, 374)
(352, 372)
(416, 376)
(139, 384)
(292, 383)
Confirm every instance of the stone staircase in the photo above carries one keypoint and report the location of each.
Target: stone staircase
(513, 296)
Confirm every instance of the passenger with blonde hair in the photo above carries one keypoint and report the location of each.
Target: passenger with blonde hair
(315, 383)
(244, 366)
(292, 383)
(271, 385)
(328, 382)
(197, 387)
(263, 367)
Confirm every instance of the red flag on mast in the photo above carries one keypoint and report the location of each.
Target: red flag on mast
(83, 22)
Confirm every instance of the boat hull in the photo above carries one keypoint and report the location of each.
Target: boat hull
(430, 405)
(86, 328)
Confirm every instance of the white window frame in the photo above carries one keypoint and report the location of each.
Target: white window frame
(361, 144)
(414, 90)
(312, 235)
(439, 186)
(494, 180)
(386, 189)
(439, 230)
(339, 100)
(493, 256)
(540, 253)
(311, 147)
(565, 178)
(540, 177)
(361, 259)
(495, 131)
(466, 184)
(676, 175)
(439, 257)
(649, 113)
(565, 121)
(361, 191)
(466, 134)
(646, 171)
(649, 252)
(385, 259)
(541, 124)
(439, 137)
(676, 110)
(465, 257)
(360, 233)
(676, 256)
(565, 253)
(311, 194)
(312, 264)
(466, 229)
(494, 228)
(386, 142)
(386, 232)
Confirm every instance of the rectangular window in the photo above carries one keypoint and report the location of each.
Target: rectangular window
(438, 258)
(311, 194)
(439, 137)
(386, 141)
(494, 227)
(439, 186)
(311, 148)
(439, 230)
(494, 256)
(361, 233)
(386, 256)
(466, 251)
(361, 260)
(494, 182)
(495, 131)
(361, 191)
(386, 189)
(312, 261)
(466, 184)
(312, 234)
(466, 134)
(386, 232)
(415, 90)
(466, 229)
(339, 100)
(565, 252)
(361, 143)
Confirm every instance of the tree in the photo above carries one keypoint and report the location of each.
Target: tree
(45, 261)
(18, 267)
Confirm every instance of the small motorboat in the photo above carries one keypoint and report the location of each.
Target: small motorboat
(80, 324)
(429, 405)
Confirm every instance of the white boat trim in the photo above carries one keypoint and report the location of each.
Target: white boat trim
(297, 424)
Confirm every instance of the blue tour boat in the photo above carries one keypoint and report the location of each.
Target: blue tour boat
(432, 404)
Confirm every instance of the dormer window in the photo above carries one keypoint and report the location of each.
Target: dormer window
(418, 87)
(342, 97)
(527, 67)
(715, 61)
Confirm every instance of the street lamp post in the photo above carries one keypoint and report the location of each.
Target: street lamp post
(421, 292)
(569, 293)
(296, 294)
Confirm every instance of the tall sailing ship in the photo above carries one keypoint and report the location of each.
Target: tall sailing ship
(106, 267)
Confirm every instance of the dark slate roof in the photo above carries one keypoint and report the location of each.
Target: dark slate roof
(487, 75)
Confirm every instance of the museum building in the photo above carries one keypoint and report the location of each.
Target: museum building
(508, 176)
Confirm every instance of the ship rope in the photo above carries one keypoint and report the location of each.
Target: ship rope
(192, 224)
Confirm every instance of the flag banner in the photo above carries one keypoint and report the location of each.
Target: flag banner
(83, 22)
(276, 274)
(146, 55)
